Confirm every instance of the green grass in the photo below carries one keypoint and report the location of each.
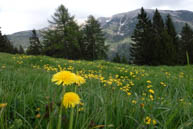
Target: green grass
(25, 85)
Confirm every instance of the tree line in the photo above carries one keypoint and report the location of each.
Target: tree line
(65, 39)
(157, 43)
(7, 46)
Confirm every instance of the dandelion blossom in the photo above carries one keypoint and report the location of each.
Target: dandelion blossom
(2, 105)
(64, 78)
(70, 99)
(79, 80)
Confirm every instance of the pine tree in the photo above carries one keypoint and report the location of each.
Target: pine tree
(117, 58)
(62, 38)
(186, 44)
(21, 50)
(35, 47)
(158, 29)
(94, 41)
(172, 32)
(141, 48)
(5, 44)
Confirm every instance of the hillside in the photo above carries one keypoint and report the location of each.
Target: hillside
(112, 96)
(118, 29)
(121, 26)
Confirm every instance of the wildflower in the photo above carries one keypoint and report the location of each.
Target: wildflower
(149, 86)
(81, 109)
(154, 122)
(151, 91)
(133, 101)
(70, 99)
(79, 80)
(151, 97)
(129, 93)
(81, 103)
(142, 105)
(38, 115)
(37, 109)
(2, 105)
(147, 120)
(148, 81)
(64, 78)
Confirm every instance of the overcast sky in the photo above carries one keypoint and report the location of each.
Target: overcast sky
(20, 15)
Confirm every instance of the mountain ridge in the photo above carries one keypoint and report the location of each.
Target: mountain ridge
(118, 28)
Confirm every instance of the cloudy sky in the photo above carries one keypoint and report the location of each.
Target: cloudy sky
(20, 15)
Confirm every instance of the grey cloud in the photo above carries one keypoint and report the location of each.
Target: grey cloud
(169, 3)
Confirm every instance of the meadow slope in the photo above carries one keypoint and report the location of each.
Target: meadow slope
(115, 96)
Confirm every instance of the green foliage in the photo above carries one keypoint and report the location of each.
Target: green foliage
(93, 40)
(175, 41)
(62, 38)
(117, 58)
(28, 91)
(154, 44)
(21, 50)
(186, 45)
(5, 45)
(141, 48)
(35, 47)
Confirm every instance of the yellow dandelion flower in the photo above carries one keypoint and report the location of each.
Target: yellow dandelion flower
(81, 109)
(154, 122)
(79, 80)
(147, 120)
(149, 86)
(128, 93)
(133, 101)
(151, 97)
(37, 109)
(64, 78)
(148, 81)
(151, 91)
(70, 99)
(2, 105)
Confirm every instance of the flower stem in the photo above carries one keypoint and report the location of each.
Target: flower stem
(60, 111)
(71, 118)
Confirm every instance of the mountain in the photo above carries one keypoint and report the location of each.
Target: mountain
(121, 26)
(118, 29)
(22, 38)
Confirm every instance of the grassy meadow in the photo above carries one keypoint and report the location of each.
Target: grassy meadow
(115, 96)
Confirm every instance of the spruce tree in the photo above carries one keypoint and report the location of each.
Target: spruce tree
(158, 29)
(21, 50)
(141, 48)
(186, 44)
(117, 58)
(61, 39)
(6, 45)
(94, 41)
(172, 32)
(35, 47)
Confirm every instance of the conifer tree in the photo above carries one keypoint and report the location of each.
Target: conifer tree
(62, 38)
(21, 50)
(186, 45)
(158, 29)
(35, 47)
(117, 58)
(141, 48)
(172, 32)
(5, 44)
(94, 41)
